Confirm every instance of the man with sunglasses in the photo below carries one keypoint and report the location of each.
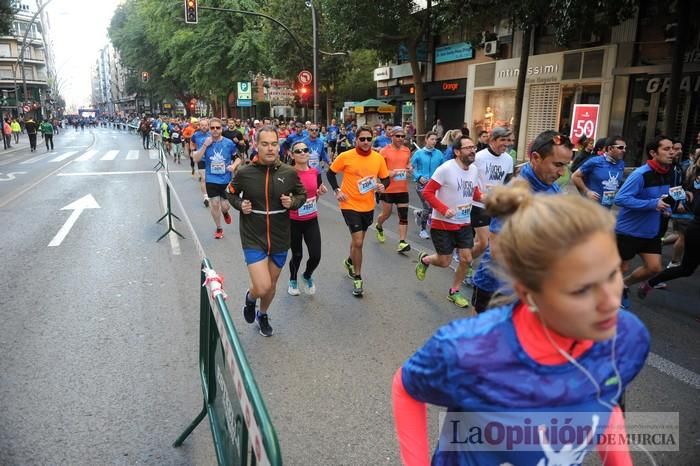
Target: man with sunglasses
(398, 162)
(361, 167)
(600, 177)
(317, 149)
(218, 154)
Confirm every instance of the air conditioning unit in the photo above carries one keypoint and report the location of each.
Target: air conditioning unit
(491, 48)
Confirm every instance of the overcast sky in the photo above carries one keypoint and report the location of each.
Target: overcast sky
(78, 31)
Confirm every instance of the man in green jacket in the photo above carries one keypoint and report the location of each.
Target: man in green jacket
(46, 129)
(264, 192)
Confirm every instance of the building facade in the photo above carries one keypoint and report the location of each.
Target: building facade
(108, 79)
(27, 73)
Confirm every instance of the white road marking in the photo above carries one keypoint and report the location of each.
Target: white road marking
(110, 155)
(134, 172)
(10, 176)
(63, 157)
(86, 156)
(674, 370)
(85, 202)
(35, 159)
(174, 241)
(132, 155)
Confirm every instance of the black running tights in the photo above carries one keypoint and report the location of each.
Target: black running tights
(691, 258)
(310, 233)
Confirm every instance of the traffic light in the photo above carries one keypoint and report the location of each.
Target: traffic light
(304, 95)
(191, 11)
(145, 76)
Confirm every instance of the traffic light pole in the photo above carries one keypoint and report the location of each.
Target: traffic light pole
(310, 4)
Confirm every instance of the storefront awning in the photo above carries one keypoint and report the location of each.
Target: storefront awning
(373, 105)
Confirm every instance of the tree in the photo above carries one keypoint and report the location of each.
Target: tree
(8, 8)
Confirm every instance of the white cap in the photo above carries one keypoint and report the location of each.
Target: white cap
(256, 122)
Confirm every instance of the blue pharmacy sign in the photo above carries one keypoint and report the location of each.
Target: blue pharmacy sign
(454, 52)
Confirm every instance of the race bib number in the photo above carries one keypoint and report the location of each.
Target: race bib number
(677, 193)
(696, 184)
(608, 198)
(366, 184)
(399, 175)
(176, 135)
(308, 208)
(218, 168)
(313, 163)
(463, 212)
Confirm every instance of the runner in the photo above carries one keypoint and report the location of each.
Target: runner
(561, 344)
(219, 157)
(398, 162)
(361, 167)
(176, 137)
(197, 140)
(550, 154)
(187, 137)
(317, 149)
(451, 192)
(599, 178)
(424, 162)
(495, 169)
(304, 223)
(644, 199)
(263, 192)
(332, 138)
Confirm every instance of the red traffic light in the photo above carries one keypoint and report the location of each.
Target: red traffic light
(303, 90)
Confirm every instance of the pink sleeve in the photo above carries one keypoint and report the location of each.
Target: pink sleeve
(411, 419)
(617, 456)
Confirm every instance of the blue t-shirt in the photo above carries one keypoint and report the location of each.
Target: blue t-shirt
(199, 137)
(317, 152)
(332, 133)
(603, 177)
(351, 138)
(217, 158)
(478, 369)
(381, 141)
(638, 198)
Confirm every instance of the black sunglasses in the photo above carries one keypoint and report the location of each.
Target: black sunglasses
(305, 150)
(399, 136)
(215, 127)
(369, 139)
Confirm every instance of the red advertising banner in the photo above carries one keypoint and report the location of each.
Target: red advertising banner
(585, 122)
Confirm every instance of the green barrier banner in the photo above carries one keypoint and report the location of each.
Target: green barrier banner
(241, 428)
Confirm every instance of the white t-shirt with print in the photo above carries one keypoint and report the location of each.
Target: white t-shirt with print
(493, 169)
(457, 187)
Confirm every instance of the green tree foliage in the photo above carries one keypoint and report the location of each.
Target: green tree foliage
(356, 82)
(7, 15)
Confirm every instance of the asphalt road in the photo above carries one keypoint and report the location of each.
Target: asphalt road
(99, 335)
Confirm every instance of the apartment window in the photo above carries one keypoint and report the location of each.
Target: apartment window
(6, 72)
(5, 50)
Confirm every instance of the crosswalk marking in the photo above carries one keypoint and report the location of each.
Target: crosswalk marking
(35, 159)
(110, 155)
(63, 157)
(86, 156)
(132, 155)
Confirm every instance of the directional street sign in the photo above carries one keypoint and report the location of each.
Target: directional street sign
(305, 77)
(85, 202)
(26, 108)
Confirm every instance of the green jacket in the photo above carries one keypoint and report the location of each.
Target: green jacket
(267, 227)
(46, 127)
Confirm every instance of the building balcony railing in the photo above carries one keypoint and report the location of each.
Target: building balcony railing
(11, 59)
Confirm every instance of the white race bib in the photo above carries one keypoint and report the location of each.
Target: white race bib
(308, 208)
(399, 175)
(218, 168)
(463, 212)
(366, 184)
(677, 193)
(608, 198)
(313, 163)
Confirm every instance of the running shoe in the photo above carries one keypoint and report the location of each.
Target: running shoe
(249, 308)
(673, 264)
(457, 298)
(206, 202)
(625, 303)
(357, 287)
(403, 246)
(660, 286)
(421, 268)
(308, 285)
(349, 268)
(264, 325)
(469, 277)
(293, 288)
(380, 233)
(424, 234)
(219, 233)
(227, 218)
(644, 290)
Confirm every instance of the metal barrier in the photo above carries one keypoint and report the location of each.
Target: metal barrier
(241, 428)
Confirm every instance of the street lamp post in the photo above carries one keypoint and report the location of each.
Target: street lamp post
(310, 4)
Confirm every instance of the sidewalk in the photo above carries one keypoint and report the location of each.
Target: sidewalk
(22, 145)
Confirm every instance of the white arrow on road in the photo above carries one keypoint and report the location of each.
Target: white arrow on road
(86, 202)
(11, 176)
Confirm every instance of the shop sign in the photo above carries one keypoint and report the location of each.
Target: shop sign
(655, 85)
(421, 52)
(244, 91)
(584, 123)
(446, 88)
(380, 74)
(454, 52)
(401, 71)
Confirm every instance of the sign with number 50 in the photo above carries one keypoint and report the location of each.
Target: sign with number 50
(585, 122)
